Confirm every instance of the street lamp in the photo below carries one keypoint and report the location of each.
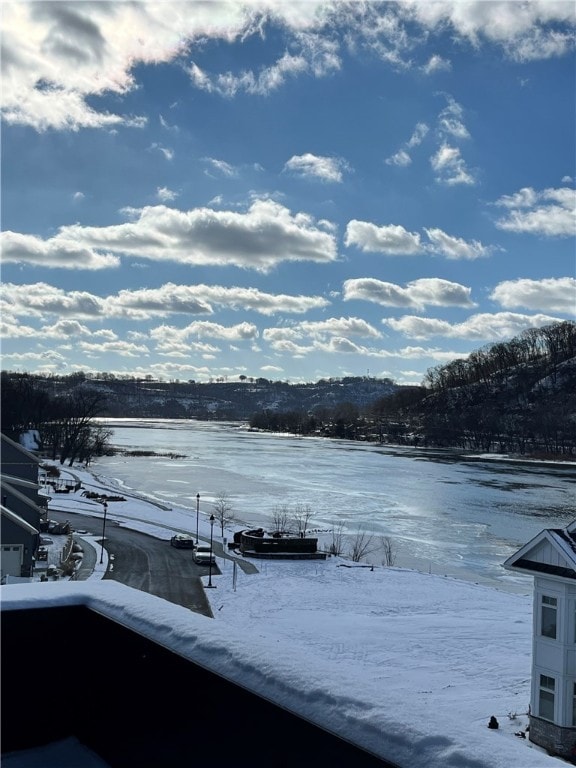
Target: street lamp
(197, 512)
(212, 518)
(103, 532)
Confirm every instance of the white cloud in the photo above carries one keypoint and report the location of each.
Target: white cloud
(10, 328)
(184, 350)
(313, 54)
(124, 348)
(239, 332)
(394, 240)
(524, 198)
(480, 327)
(455, 247)
(57, 252)
(548, 295)
(436, 63)
(263, 237)
(418, 135)
(259, 301)
(166, 151)
(318, 330)
(153, 302)
(78, 197)
(551, 212)
(288, 333)
(524, 31)
(223, 168)
(64, 329)
(43, 300)
(401, 158)
(417, 294)
(450, 121)
(391, 239)
(283, 344)
(205, 329)
(165, 195)
(450, 167)
(166, 125)
(340, 326)
(329, 169)
(47, 360)
(448, 163)
(542, 44)
(57, 56)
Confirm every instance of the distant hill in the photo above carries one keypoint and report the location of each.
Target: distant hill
(518, 396)
(511, 397)
(222, 400)
(515, 397)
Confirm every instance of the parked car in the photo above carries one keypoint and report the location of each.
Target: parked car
(203, 555)
(182, 541)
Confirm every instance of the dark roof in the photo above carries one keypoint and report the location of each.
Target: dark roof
(553, 570)
(568, 536)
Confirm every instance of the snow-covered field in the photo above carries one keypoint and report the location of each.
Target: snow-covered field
(416, 663)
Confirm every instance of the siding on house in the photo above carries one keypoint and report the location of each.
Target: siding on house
(22, 506)
(550, 557)
(17, 532)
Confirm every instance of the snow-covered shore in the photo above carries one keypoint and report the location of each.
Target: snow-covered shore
(422, 656)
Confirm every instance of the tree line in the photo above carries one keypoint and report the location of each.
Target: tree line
(516, 397)
(64, 421)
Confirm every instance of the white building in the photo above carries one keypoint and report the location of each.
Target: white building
(551, 558)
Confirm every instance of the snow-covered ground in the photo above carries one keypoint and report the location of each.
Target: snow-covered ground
(414, 664)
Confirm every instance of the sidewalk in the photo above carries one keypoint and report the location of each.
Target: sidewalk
(89, 558)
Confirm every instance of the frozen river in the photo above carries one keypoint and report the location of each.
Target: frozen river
(445, 513)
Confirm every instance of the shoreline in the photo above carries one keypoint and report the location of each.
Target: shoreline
(551, 460)
(104, 484)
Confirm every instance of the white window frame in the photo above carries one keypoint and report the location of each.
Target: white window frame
(547, 694)
(549, 609)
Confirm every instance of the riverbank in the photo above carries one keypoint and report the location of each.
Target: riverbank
(146, 515)
(425, 658)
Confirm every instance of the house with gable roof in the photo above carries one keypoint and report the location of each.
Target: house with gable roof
(550, 557)
(22, 509)
(19, 545)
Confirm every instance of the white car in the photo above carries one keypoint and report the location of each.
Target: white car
(203, 555)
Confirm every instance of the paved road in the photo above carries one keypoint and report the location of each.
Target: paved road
(147, 563)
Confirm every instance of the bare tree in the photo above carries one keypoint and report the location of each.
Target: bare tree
(222, 510)
(389, 551)
(301, 518)
(75, 416)
(336, 546)
(281, 518)
(362, 545)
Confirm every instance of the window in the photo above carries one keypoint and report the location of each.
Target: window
(574, 705)
(546, 698)
(548, 617)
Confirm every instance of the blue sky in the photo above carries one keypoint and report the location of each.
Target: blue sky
(288, 190)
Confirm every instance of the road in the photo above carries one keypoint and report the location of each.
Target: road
(148, 564)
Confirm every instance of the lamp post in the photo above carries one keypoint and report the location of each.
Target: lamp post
(211, 554)
(197, 512)
(105, 505)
